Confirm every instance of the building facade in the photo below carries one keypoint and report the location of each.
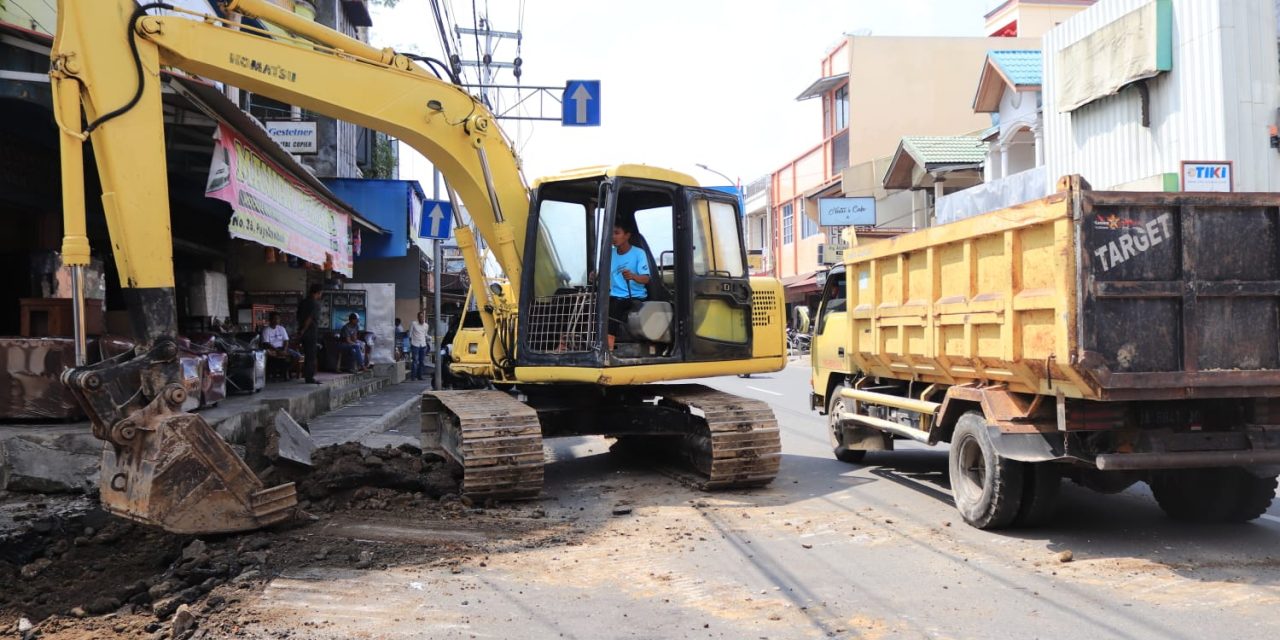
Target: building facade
(1210, 94)
(874, 90)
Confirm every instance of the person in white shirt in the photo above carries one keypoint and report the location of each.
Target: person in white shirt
(277, 338)
(419, 337)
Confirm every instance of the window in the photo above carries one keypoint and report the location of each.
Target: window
(809, 227)
(655, 226)
(788, 224)
(841, 99)
(833, 300)
(561, 260)
(715, 227)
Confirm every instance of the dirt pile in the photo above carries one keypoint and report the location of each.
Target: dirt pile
(86, 574)
(351, 465)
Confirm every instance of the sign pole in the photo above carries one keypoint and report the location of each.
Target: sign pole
(437, 259)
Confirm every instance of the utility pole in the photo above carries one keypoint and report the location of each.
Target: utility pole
(488, 67)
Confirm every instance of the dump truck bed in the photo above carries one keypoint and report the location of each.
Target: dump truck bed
(1091, 294)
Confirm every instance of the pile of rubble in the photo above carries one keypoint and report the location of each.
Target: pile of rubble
(89, 572)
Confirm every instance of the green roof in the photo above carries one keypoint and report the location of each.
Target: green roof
(1021, 67)
(942, 150)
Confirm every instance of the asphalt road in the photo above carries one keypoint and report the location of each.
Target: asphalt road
(828, 550)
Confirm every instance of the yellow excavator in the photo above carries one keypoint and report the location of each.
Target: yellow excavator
(558, 363)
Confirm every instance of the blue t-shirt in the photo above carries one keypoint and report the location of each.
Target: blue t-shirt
(635, 261)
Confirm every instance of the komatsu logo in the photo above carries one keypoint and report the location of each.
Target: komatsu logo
(1137, 239)
(274, 70)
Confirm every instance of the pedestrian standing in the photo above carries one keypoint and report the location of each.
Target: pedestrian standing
(309, 329)
(418, 337)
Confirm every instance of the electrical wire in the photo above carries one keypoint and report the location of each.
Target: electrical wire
(452, 23)
(138, 14)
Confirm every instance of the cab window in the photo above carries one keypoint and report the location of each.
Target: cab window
(833, 299)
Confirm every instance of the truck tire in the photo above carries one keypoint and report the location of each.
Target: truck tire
(1212, 495)
(987, 488)
(1041, 486)
(835, 405)
(1254, 497)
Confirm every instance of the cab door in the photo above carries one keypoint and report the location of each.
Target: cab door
(830, 348)
(719, 289)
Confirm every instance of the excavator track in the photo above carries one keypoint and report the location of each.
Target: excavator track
(495, 438)
(734, 443)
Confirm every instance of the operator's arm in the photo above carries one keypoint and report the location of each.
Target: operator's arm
(641, 273)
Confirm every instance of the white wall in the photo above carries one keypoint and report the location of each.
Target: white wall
(1216, 103)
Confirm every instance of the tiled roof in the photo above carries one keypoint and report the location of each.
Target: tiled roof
(940, 150)
(1021, 67)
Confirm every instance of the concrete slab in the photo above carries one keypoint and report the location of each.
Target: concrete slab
(41, 463)
(289, 441)
(374, 414)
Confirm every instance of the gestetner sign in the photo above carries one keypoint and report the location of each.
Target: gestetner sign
(843, 212)
(294, 137)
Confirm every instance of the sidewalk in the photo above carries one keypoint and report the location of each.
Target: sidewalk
(63, 457)
(369, 419)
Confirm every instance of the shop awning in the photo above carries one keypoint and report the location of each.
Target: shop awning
(395, 205)
(275, 201)
(822, 85)
(210, 100)
(795, 288)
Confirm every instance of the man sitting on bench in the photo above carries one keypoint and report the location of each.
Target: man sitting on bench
(351, 345)
(276, 338)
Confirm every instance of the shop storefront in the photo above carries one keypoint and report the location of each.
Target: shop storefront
(251, 231)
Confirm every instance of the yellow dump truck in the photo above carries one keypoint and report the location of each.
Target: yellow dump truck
(1104, 337)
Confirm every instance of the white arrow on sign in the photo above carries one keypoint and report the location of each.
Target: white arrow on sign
(580, 99)
(436, 216)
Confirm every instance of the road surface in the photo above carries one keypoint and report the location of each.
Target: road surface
(829, 550)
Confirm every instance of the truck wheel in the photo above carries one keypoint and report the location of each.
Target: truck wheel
(1195, 495)
(987, 488)
(1041, 486)
(1253, 498)
(1212, 495)
(837, 404)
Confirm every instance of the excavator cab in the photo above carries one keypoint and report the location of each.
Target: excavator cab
(697, 304)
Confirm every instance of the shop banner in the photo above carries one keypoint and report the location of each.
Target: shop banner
(272, 208)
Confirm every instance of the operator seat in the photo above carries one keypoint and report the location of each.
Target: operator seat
(651, 320)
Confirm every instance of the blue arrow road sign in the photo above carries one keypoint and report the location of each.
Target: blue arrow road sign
(437, 219)
(580, 104)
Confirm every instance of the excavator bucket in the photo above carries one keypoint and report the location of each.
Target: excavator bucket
(172, 470)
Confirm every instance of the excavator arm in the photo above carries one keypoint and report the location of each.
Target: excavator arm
(162, 466)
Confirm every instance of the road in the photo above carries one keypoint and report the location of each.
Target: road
(828, 550)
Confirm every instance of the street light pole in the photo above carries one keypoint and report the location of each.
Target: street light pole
(726, 178)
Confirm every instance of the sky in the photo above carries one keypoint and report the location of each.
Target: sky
(683, 82)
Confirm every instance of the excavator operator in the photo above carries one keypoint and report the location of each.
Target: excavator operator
(628, 277)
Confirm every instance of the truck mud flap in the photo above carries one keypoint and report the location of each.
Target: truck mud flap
(1028, 447)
